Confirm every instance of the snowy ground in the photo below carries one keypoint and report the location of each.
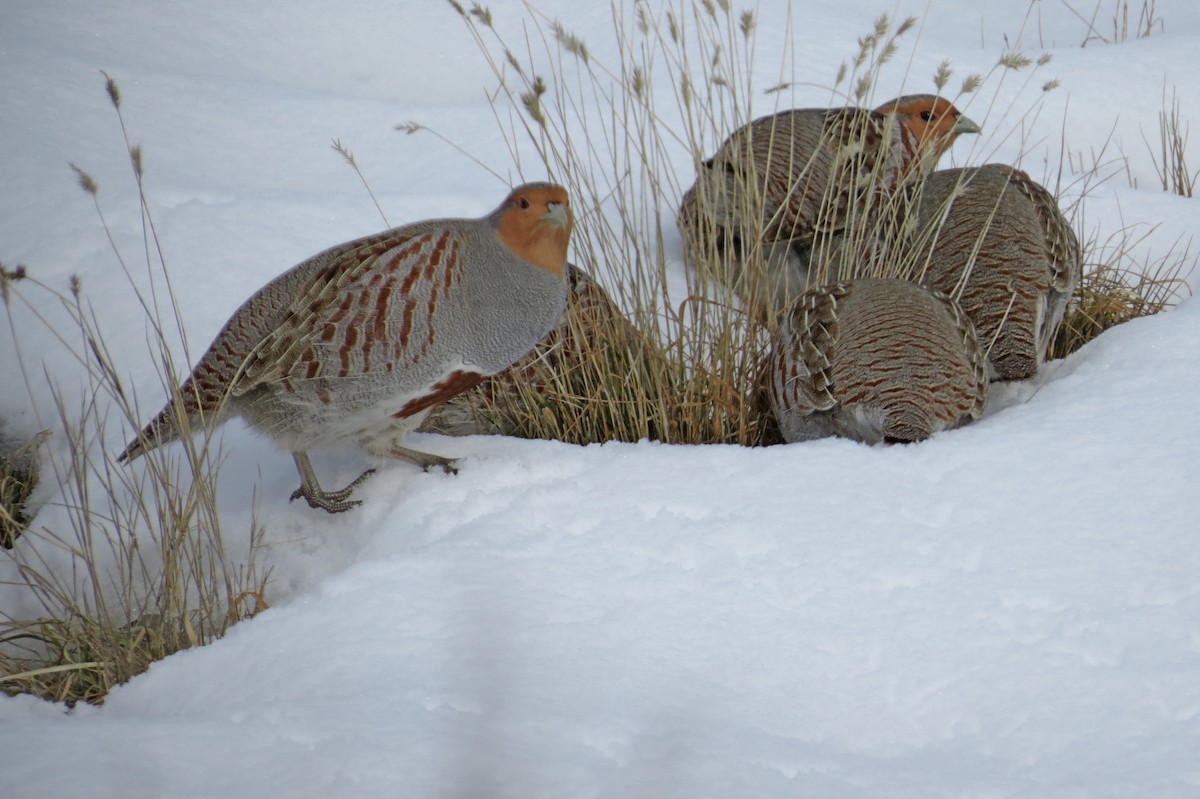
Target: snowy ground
(1008, 610)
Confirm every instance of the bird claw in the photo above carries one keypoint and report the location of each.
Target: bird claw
(426, 460)
(447, 465)
(325, 502)
(331, 501)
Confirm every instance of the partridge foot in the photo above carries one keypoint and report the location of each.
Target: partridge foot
(425, 460)
(331, 501)
(316, 497)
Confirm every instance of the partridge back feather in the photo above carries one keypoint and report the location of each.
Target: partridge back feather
(804, 171)
(201, 399)
(997, 241)
(874, 359)
(810, 182)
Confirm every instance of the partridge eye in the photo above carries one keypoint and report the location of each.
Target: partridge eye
(524, 203)
(926, 116)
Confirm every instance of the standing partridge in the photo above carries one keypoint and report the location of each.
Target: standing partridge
(995, 240)
(811, 181)
(358, 343)
(874, 359)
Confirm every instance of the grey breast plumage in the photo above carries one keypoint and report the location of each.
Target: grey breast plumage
(874, 359)
(997, 241)
(592, 320)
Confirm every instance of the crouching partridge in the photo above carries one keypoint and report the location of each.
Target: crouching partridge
(995, 240)
(874, 359)
(798, 182)
(358, 343)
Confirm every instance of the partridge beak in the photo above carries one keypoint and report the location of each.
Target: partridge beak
(557, 214)
(965, 125)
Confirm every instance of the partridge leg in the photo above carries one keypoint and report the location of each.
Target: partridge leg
(423, 459)
(310, 489)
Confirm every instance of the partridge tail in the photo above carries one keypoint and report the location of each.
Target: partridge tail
(161, 430)
(182, 414)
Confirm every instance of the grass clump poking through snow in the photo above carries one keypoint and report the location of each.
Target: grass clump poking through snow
(133, 565)
(1122, 25)
(1118, 283)
(699, 355)
(18, 477)
(1115, 288)
(604, 132)
(1170, 156)
(596, 129)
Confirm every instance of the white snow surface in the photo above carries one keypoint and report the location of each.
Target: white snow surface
(1007, 610)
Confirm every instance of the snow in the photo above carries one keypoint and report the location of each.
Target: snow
(1008, 609)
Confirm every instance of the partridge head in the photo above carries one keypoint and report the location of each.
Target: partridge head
(358, 343)
(933, 122)
(535, 224)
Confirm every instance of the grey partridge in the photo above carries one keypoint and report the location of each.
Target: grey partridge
(996, 241)
(358, 343)
(812, 179)
(876, 360)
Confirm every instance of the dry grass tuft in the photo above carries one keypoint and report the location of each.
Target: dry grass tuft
(1116, 288)
(132, 563)
(672, 365)
(1122, 25)
(18, 478)
(690, 376)
(1170, 156)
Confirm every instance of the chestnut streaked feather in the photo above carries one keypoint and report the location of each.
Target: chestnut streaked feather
(996, 240)
(875, 360)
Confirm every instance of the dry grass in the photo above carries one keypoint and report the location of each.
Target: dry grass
(1170, 154)
(135, 565)
(1117, 288)
(18, 478)
(688, 382)
(1118, 283)
(1117, 24)
(692, 376)
(1167, 150)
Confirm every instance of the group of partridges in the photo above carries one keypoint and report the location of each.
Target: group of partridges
(987, 259)
(358, 344)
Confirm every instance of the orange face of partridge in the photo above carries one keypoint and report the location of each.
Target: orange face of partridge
(933, 120)
(536, 225)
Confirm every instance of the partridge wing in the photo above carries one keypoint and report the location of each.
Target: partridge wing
(1061, 241)
(370, 310)
(804, 367)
